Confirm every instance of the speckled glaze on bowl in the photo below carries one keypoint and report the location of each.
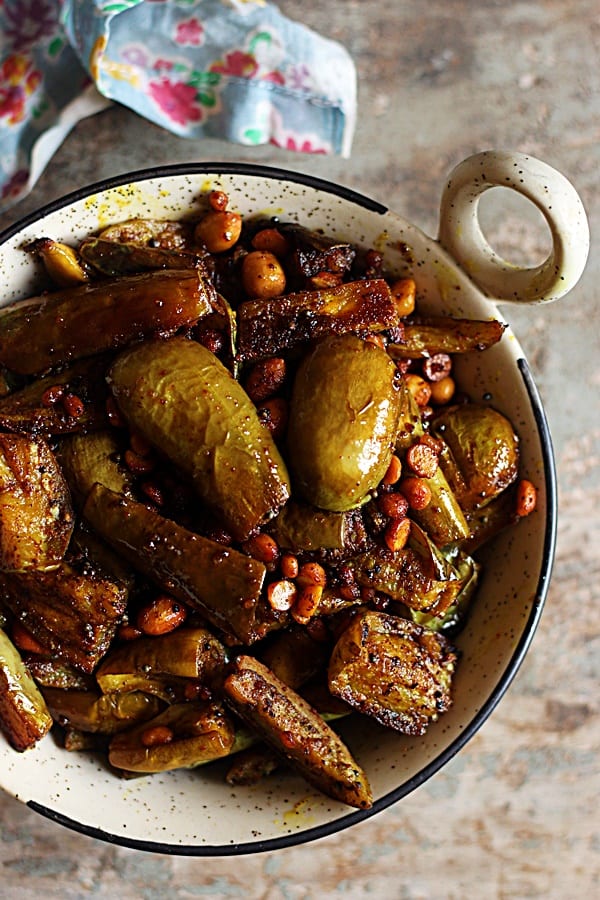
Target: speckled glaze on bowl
(194, 812)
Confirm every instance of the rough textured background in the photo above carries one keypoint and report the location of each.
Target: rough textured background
(515, 814)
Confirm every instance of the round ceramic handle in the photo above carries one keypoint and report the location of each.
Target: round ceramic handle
(461, 235)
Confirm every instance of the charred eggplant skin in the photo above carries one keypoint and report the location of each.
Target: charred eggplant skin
(24, 716)
(70, 324)
(394, 670)
(290, 725)
(185, 402)
(343, 422)
(222, 583)
(36, 514)
(269, 327)
(483, 453)
(202, 732)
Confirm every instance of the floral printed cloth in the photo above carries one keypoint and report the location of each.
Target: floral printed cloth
(235, 69)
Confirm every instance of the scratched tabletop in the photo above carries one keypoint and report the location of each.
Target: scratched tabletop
(516, 813)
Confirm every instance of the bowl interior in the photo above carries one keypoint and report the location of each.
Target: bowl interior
(195, 812)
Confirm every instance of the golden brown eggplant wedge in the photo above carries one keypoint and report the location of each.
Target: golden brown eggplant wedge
(100, 713)
(73, 614)
(343, 422)
(116, 258)
(61, 326)
(293, 728)
(393, 670)
(418, 575)
(222, 583)
(168, 234)
(200, 733)
(300, 526)
(89, 459)
(24, 716)
(36, 516)
(481, 453)
(163, 664)
(184, 401)
(62, 263)
(440, 334)
(268, 327)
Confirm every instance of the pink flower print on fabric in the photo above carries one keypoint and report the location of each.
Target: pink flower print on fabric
(176, 99)
(236, 63)
(299, 143)
(18, 80)
(190, 33)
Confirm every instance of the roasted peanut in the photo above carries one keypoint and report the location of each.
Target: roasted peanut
(307, 602)
(419, 388)
(394, 471)
(53, 395)
(393, 505)
(218, 230)
(526, 500)
(263, 548)
(74, 405)
(442, 391)
(271, 239)
(404, 292)
(311, 573)
(218, 200)
(265, 379)
(437, 366)
(289, 565)
(282, 594)
(396, 534)
(422, 459)
(262, 275)
(161, 616)
(417, 492)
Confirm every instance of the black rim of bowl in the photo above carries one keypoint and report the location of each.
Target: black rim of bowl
(345, 821)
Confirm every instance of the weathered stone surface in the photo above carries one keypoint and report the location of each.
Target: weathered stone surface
(515, 815)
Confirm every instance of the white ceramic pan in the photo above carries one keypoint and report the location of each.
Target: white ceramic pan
(195, 812)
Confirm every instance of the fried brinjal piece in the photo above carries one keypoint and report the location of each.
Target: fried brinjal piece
(183, 400)
(443, 334)
(89, 459)
(164, 664)
(393, 670)
(116, 258)
(418, 575)
(300, 526)
(222, 583)
(73, 614)
(24, 716)
(99, 713)
(198, 732)
(293, 728)
(36, 516)
(481, 453)
(313, 253)
(62, 326)
(167, 234)
(268, 327)
(343, 422)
